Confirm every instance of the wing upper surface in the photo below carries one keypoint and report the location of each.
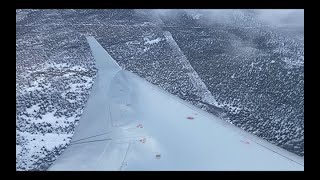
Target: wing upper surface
(130, 124)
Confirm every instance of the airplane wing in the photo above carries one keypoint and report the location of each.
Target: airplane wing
(130, 124)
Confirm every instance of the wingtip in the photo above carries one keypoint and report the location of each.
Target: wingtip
(90, 37)
(103, 59)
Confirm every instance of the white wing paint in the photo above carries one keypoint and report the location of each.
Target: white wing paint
(130, 124)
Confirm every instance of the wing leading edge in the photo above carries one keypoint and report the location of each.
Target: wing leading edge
(130, 124)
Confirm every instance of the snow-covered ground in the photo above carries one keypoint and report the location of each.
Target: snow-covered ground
(50, 100)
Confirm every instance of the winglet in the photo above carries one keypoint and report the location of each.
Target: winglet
(103, 60)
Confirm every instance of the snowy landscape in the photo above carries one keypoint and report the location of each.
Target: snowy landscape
(244, 66)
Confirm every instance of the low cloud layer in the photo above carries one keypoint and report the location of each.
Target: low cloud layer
(282, 17)
(272, 17)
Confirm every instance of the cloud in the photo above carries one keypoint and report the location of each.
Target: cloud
(282, 17)
(272, 17)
